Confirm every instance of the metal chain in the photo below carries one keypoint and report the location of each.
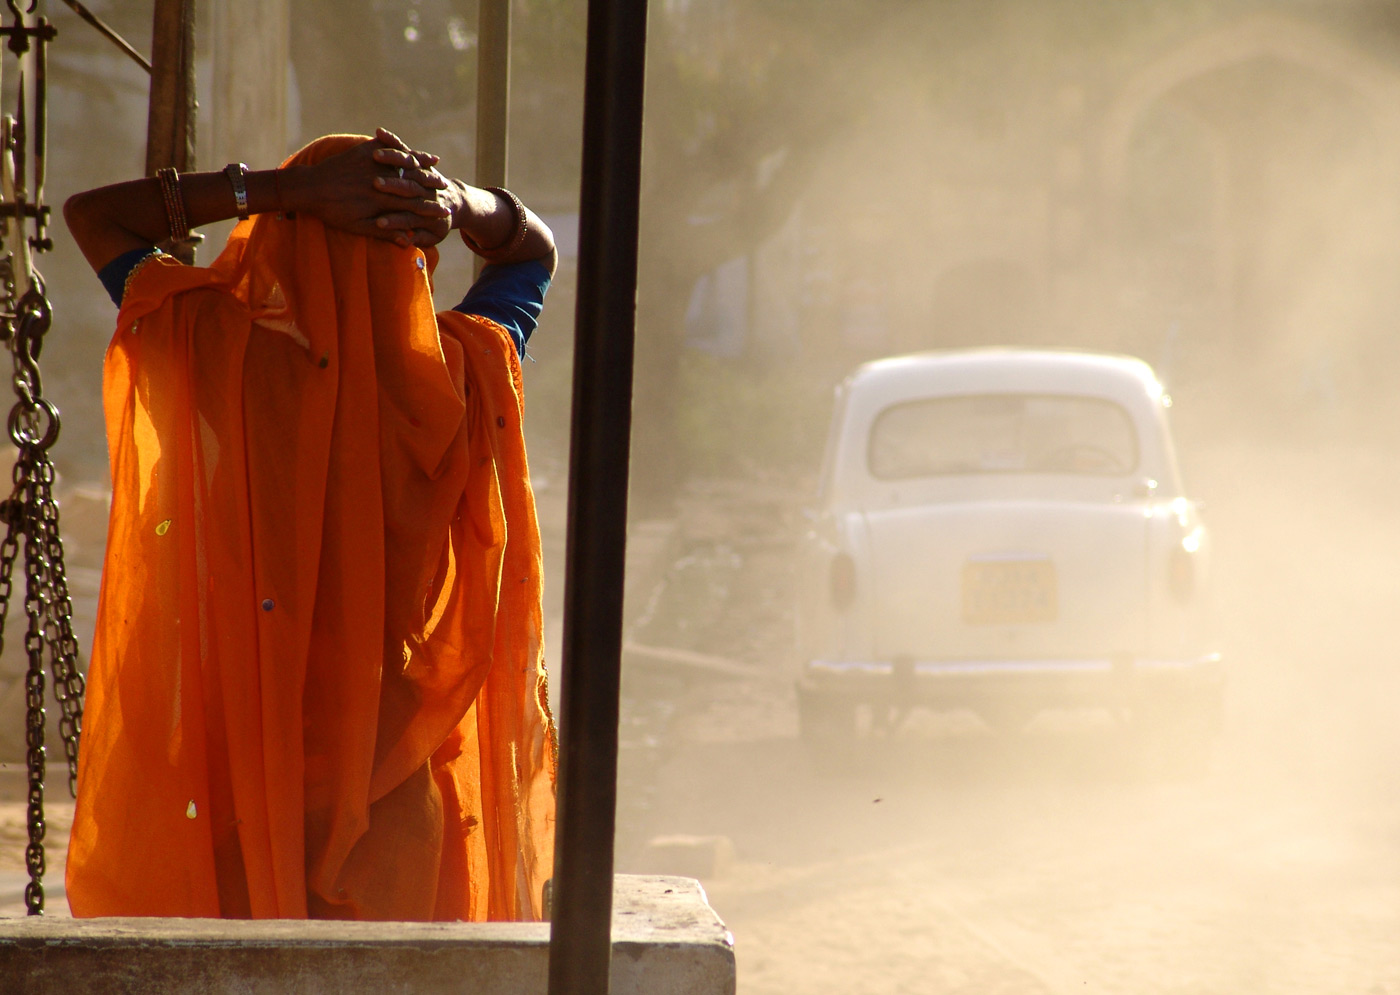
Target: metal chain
(31, 514)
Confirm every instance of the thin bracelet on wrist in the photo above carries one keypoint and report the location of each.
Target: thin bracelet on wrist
(282, 211)
(511, 245)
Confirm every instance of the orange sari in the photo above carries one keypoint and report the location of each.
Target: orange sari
(317, 686)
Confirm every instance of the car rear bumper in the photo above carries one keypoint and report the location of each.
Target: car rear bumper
(1048, 683)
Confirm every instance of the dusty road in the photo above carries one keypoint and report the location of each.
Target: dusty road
(956, 863)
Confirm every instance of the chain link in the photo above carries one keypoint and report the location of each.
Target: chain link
(30, 515)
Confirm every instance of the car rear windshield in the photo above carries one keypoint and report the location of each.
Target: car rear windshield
(1002, 433)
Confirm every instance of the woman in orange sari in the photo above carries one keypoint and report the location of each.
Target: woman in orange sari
(316, 687)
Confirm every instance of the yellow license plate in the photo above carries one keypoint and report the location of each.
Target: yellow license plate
(1009, 592)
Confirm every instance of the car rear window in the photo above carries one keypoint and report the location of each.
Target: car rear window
(1002, 433)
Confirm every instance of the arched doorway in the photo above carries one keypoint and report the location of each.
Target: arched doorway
(1251, 207)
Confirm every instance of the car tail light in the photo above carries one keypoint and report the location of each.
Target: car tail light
(1181, 574)
(843, 581)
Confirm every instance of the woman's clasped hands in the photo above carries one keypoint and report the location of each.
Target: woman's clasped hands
(380, 188)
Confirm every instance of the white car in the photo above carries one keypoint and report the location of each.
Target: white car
(1004, 531)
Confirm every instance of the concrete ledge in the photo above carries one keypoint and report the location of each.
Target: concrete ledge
(666, 941)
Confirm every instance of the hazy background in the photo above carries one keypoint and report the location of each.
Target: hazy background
(1209, 184)
(1205, 184)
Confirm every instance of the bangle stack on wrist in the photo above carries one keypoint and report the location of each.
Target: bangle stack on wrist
(511, 245)
(174, 203)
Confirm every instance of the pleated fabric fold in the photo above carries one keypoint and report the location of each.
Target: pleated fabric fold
(317, 685)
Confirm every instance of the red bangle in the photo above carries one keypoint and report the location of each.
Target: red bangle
(509, 247)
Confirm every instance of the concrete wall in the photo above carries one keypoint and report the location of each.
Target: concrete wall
(666, 941)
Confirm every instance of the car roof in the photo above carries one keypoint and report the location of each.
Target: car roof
(881, 384)
(993, 370)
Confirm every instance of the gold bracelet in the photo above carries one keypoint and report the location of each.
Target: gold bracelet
(174, 203)
(140, 265)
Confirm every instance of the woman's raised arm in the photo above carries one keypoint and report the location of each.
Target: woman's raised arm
(341, 191)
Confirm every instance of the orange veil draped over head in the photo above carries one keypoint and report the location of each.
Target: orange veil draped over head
(317, 685)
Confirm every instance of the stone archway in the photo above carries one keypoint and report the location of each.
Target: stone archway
(1294, 134)
(1254, 37)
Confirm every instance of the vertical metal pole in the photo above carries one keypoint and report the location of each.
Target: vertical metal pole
(170, 119)
(580, 949)
(492, 91)
(492, 95)
(252, 42)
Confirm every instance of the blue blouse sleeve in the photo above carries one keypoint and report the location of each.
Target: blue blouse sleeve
(114, 274)
(511, 296)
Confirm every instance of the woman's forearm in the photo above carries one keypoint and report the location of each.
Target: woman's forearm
(111, 220)
(379, 188)
(490, 222)
(346, 191)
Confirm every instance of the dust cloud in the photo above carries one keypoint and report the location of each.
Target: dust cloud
(1210, 187)
(1207, 185)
